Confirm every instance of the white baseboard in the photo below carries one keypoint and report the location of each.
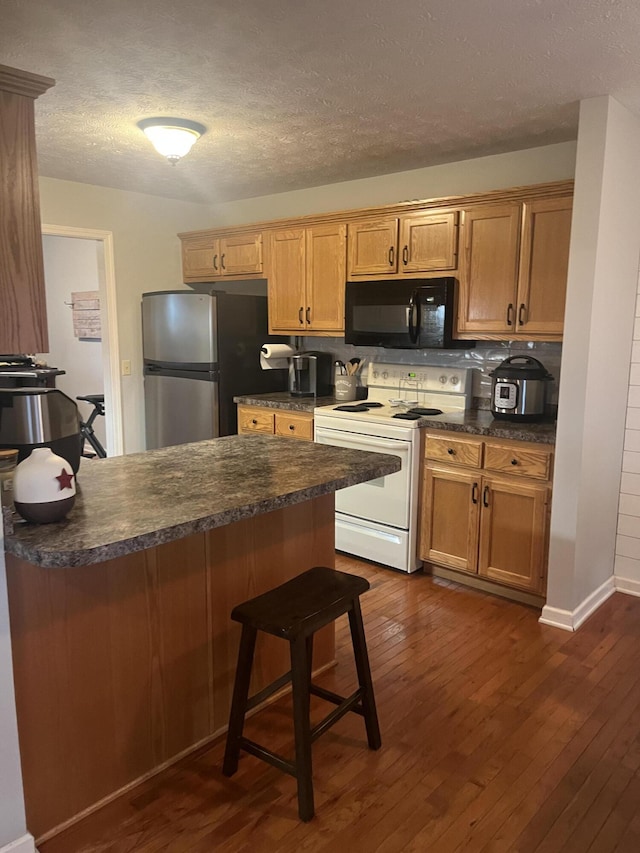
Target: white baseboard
(24, 844)
(627, 585)
(570, 620)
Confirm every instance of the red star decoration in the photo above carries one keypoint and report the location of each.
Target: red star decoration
(65, 480)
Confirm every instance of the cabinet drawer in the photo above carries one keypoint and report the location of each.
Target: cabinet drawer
(458, 451)
(255, 420)
(527, 462)
(294, 426)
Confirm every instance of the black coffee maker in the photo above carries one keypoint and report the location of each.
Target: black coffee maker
(311, 374)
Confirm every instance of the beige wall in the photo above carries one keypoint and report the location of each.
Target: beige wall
(147, 257)
(517, 168)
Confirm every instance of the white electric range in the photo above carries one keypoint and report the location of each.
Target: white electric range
(378, 520)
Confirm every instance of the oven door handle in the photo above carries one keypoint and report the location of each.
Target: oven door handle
(414, 309)
(381, 444)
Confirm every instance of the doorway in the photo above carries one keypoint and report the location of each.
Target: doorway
(83, 333)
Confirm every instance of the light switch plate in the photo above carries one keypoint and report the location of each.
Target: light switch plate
(126, 368)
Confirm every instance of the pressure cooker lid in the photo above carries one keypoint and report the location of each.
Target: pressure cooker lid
(521, 367)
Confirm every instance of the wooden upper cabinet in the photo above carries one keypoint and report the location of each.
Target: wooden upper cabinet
(489, 271)
(373, 247)
(287, 285)
(326, 268)
(200, 257)
(544, 263)
(307, 272)
(241, 254)
(23, 316)
(429, 242)
(208, 258)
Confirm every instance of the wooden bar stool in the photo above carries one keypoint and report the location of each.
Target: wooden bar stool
(295, 610)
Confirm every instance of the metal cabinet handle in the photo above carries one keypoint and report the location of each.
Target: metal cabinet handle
(254, 421)
(451, 451)
(291, 427)
(215, 262)
(391, 255)
(514, 461)
(474, 494)
(222, 262)
(405, 255)
(308, 314)
(510, 314)
(521, 311)
(301, 315)
(485, 496)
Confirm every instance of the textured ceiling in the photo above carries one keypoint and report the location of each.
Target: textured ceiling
(298, 93)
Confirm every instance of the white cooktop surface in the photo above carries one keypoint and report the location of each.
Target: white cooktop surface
(401, 387)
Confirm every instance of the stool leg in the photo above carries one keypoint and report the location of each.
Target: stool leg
(300, 683)
(239, 701)
(364, 676)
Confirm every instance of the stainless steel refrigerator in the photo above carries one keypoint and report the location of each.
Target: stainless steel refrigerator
(200, 350)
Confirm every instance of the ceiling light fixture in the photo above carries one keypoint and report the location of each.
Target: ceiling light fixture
(172, 137)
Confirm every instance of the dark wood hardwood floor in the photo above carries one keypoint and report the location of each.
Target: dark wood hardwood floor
(499, 734)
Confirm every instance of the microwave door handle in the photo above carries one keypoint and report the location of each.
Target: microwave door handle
(414, 309)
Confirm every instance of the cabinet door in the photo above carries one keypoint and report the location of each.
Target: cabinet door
(254, 419)
(513, 528)
(326, 269)
(287, 297)
(429, 242)
(373, 247)
(200, 258)
(294, 426)
(241, 254)
(544, 261)
(450, 513)
(488, 276)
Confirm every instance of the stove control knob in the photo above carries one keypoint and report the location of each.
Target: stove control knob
(385, 375)
(375, 374)
(443, 379)
(454, 380)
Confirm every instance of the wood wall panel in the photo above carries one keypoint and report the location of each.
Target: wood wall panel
(122, 666)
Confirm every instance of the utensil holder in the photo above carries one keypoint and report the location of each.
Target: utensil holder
(346, 388)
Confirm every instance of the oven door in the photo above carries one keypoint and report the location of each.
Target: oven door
(386, 499)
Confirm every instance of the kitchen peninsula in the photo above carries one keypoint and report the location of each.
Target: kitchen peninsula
(123, 650)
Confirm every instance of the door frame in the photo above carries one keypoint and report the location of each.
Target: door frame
(110, 339)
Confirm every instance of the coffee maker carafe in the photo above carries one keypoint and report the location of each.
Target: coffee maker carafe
(310, 374)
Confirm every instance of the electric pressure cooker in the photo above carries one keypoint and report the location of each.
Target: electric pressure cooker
(519, 389)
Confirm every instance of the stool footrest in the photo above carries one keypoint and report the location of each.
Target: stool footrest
(267, 755)
(328, 696)
(351, 703)
(269, 690)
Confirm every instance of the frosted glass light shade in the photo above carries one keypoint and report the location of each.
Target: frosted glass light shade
(172, 137)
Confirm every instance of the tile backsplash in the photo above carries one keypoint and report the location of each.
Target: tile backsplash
(485, 356)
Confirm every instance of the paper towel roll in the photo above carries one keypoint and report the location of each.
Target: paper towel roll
(274, 356)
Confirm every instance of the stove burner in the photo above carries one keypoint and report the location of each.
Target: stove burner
(357, 408)
(420, 410)
(371, 405)
(407, 416)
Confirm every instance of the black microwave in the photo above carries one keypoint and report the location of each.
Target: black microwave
(412, 314)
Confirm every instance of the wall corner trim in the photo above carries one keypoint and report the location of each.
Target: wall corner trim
(627, 585)
(24, 844)
(570, 620)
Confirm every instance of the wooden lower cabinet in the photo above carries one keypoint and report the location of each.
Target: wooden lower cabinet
(450, 518)
(513, 524)
(491, 525)
(258, 419)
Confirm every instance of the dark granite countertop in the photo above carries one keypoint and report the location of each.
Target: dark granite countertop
(284, 400)
(472, 422)
(129, 503)
(482, 422)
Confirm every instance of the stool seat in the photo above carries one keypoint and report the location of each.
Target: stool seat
(301, 605)
(294, 611)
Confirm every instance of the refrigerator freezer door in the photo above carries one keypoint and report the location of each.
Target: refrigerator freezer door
(179, 327)
(179, 410)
